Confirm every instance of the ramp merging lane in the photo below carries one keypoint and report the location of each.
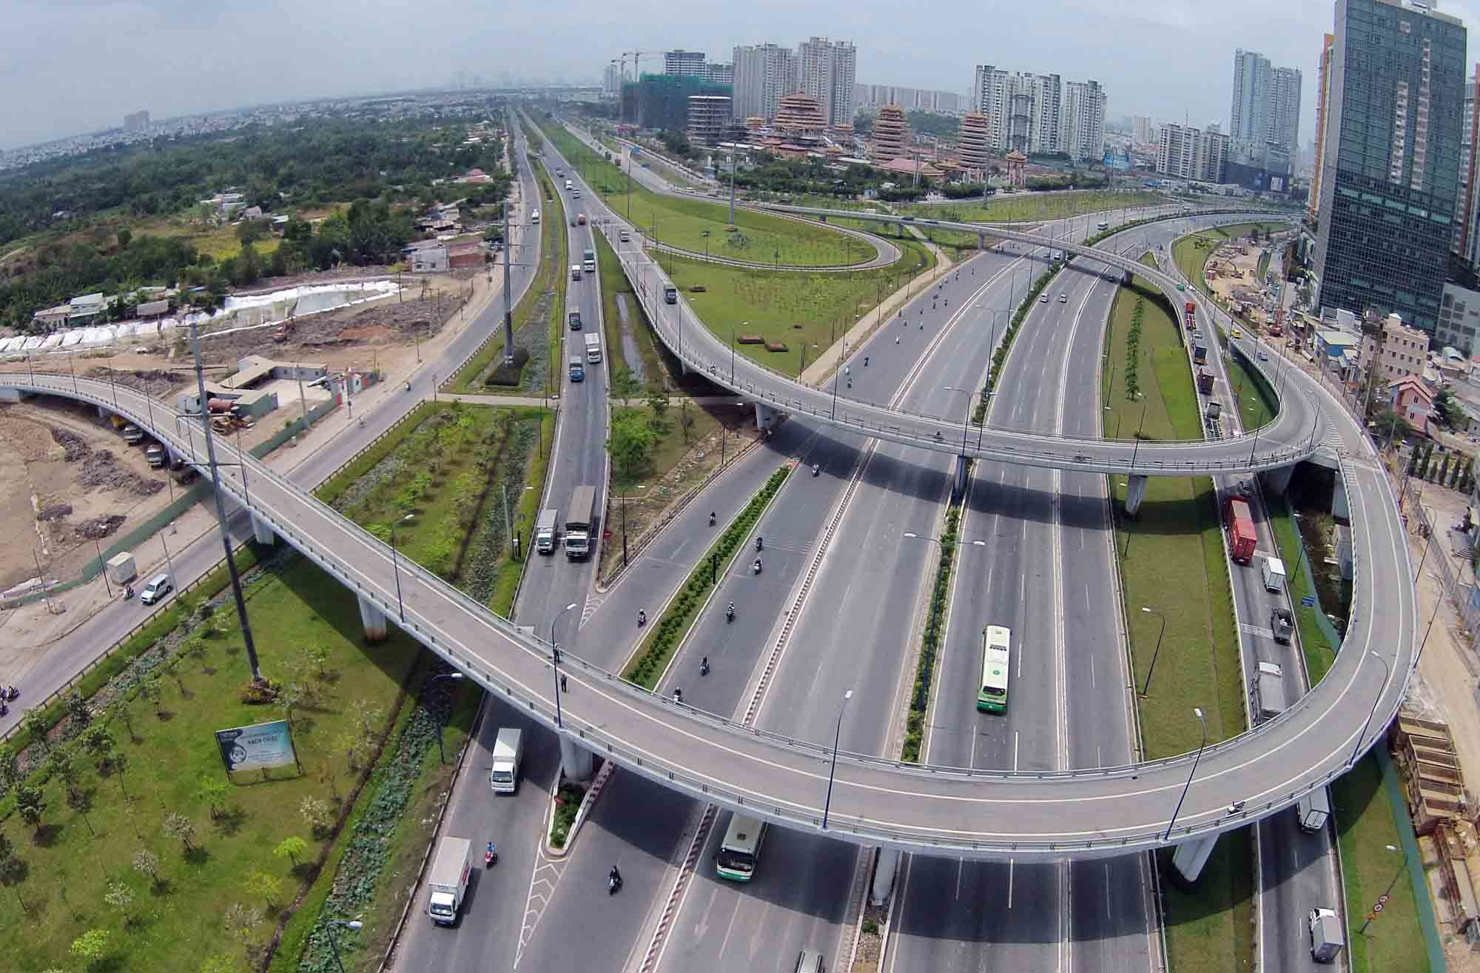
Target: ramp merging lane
(977, 814)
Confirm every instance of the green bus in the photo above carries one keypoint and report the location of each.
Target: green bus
(740, 849)
(996, 653)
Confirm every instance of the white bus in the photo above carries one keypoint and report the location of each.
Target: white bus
(996, 653)
(740, 849)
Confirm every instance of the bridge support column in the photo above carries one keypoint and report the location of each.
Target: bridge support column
(102, 412)
(261, 532)
(373, 619)
(958, 479)
(1277, 480)
(981, 240)
(1340, 509)
(885, 868)
(575, 760)
(765, 417)
(1135, 492)
(11, 394)
(1192, 855)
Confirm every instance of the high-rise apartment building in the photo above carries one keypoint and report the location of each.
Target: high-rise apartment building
(1266, 103)
(1142, 131)
(684, 63)
(825, 70)
(1465, 210)
(136, 122)
(910, 99)
(1190, 153)
(719, 73)
(1084, 121)
(1323, 93)
(763, 73)
(1032, 113)
(1390, 178)
(709, 119)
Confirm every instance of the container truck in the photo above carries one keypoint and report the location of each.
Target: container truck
(1199, 354)
(1205, 381)
(508, 751)
(1273, 572)
(1313, 809)
(1326, 935)
(447, 881)
(579, 520)
(1269, 691)
(546, 527)
(1241, 537)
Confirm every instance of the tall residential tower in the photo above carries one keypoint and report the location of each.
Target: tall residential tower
(825, 70)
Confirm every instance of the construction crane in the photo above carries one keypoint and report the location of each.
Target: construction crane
(636, 63)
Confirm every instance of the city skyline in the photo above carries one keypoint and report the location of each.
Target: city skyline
(366, 50)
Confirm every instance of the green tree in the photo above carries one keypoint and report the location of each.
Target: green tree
(124, 236)
(265, 885)
(219, 963)
(291, 848)
(1448, 409)
(91, 946)
(657, 401)
(317, 813)
(120, 897)
(631, 445)
(30, 804)
(212, 792)
(12, 869)
(625, 385)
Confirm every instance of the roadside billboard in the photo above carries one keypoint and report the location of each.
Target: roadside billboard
(257, 747)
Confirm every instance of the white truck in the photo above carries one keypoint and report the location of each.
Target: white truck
(508, 751)
(1327, 938)
(1273, 572)
(593, 348)
(545, 530)
(447, 881)
(1269, 691)
(1313, 809)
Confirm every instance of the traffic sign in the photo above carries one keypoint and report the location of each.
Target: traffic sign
(1382, 899)
(1309, 601)
(1378, 907)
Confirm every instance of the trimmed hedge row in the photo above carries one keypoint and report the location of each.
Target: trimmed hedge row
(940, 597)
(667, 632)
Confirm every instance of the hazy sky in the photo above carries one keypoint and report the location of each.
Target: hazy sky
(70, 66)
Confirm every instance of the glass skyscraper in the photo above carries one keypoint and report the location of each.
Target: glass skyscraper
(1390, 174)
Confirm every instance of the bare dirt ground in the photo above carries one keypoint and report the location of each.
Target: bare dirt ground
(69, 479)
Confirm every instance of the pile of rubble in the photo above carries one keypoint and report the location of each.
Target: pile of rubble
(96, 528)
(101, 468)
(74, 447)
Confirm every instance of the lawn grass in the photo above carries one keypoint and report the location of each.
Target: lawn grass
(1319, 655)
(683, 223)
(170, 751)
(805, 312)
(652, 367)
(1172, 560)
(1366, 823)
(1191, 252)
(1253, 410)
(1027, 207)
(545, 300)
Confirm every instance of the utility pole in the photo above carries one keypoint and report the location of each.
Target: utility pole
(508, 291)
(236, 581)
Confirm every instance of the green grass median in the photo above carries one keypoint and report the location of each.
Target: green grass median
(694, 224)
(1172, 563)
(1027, 207)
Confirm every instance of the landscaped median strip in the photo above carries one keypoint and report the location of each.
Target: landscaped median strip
(940, 597)
(668, 631)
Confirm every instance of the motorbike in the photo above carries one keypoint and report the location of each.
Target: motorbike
(12, 692)
(490, 856)
(704, 666)
(614, 882)
(730, 613)
(128, 592)
(756, 567)
(816, 468)
(759, 544)
(641, 619)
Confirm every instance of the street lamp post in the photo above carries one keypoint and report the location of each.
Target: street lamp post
(353, 925)
(1197, 711)
(396, 569)
(1145, 689)
(1387, 671)
(555, 665)
(442, 720)
(832, 770)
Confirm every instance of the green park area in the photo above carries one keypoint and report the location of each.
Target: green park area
(1029, 207)
(790, 318)
(1177, 599)
(126, 847)
(704, 227)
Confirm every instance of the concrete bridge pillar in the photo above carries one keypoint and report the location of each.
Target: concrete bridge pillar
(102, 412)
(1340, 509)
(981, 240)
(373, 619)
(1277, 480)
(11, 395)
(1135, 492)
(261, 531)
(1192, 855)
(575, 760)
(885, 868)
(958, 479)
(765, 417)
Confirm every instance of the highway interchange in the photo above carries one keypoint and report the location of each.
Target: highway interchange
(856, 605)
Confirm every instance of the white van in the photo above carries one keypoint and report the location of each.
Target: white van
(534, 217)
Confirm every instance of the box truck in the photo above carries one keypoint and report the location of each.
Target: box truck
(447, 881)
(1241, 537)
(1273, 572)
(593, 349)
(1269, 691)
(545, 530)
(1326, 935)
(508, 751)
(579, 520)
(1313, 809)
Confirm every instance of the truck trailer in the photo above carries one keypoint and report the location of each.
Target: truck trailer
(1241, 537)
(580, 519)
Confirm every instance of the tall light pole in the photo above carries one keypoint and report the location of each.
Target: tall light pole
(1387, 671)
(396, 569)
(442, 721)
(555, 665)
(832, 770)
(353, 925)
(1197, 711)
(1156, 651)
